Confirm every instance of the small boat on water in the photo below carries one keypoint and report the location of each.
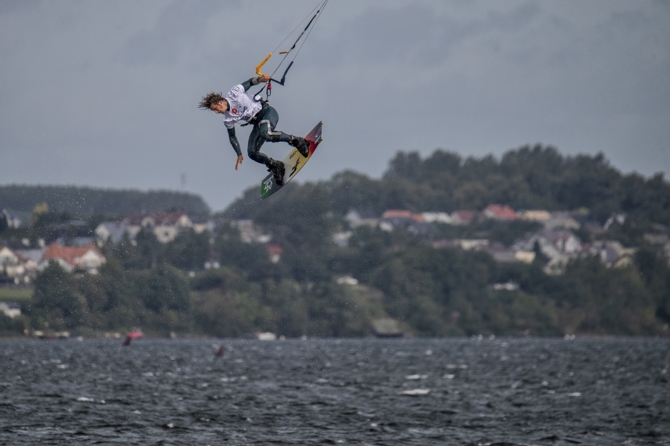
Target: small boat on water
(387, 328)
(51, 335)
(266, 336)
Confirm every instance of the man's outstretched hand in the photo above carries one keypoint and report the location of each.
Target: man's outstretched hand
(239, 161)
(263, 78)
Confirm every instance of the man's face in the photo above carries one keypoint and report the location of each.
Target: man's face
(219, 108)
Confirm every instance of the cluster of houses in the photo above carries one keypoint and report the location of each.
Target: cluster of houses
(20, 266)
(391, 219)
(165, 225)
(556, 241)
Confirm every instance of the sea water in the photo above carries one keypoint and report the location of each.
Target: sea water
(477, 391)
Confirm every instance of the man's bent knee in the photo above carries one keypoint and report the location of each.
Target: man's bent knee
(255, 155)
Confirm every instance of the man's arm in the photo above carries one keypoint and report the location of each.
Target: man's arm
(255, 81)
(236, 145)
(234, 142)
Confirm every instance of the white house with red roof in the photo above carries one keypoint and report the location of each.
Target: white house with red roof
(499, 212)
(71, 258)
(274, 251)
(462, 217)
(399, 218)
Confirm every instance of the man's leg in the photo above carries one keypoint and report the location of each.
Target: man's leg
(256, 140)
(267, 125)
(254, 147)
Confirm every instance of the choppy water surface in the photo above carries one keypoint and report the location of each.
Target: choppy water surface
(471, 392)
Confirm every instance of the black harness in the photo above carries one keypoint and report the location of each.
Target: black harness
(257, 117)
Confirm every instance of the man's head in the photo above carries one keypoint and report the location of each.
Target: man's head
(215, 102)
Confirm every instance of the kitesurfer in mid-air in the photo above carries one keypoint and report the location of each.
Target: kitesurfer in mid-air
(238, 104)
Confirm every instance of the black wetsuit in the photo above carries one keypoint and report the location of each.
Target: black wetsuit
(264, 123)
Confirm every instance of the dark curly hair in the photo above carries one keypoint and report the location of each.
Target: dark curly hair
(209, 99)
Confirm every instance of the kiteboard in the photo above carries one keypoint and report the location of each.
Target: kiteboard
(293, 162)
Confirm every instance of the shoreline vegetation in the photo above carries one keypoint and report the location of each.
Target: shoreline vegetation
(300, 281)
(253, 338)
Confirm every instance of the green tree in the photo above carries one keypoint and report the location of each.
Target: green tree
(164, 287)
(120, 289)
(222, 278)
(142, 253)
(250, 259)
(11, 326)
(55, 289)
(655, 273)
(229, 314)
(86, 200)
(188, 251)
(405, 165)
(3, 223)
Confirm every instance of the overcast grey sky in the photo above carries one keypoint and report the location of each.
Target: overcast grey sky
(105, 93)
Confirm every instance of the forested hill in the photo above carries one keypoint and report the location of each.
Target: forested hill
(321, 275)
(526, 178)
(87, 200)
